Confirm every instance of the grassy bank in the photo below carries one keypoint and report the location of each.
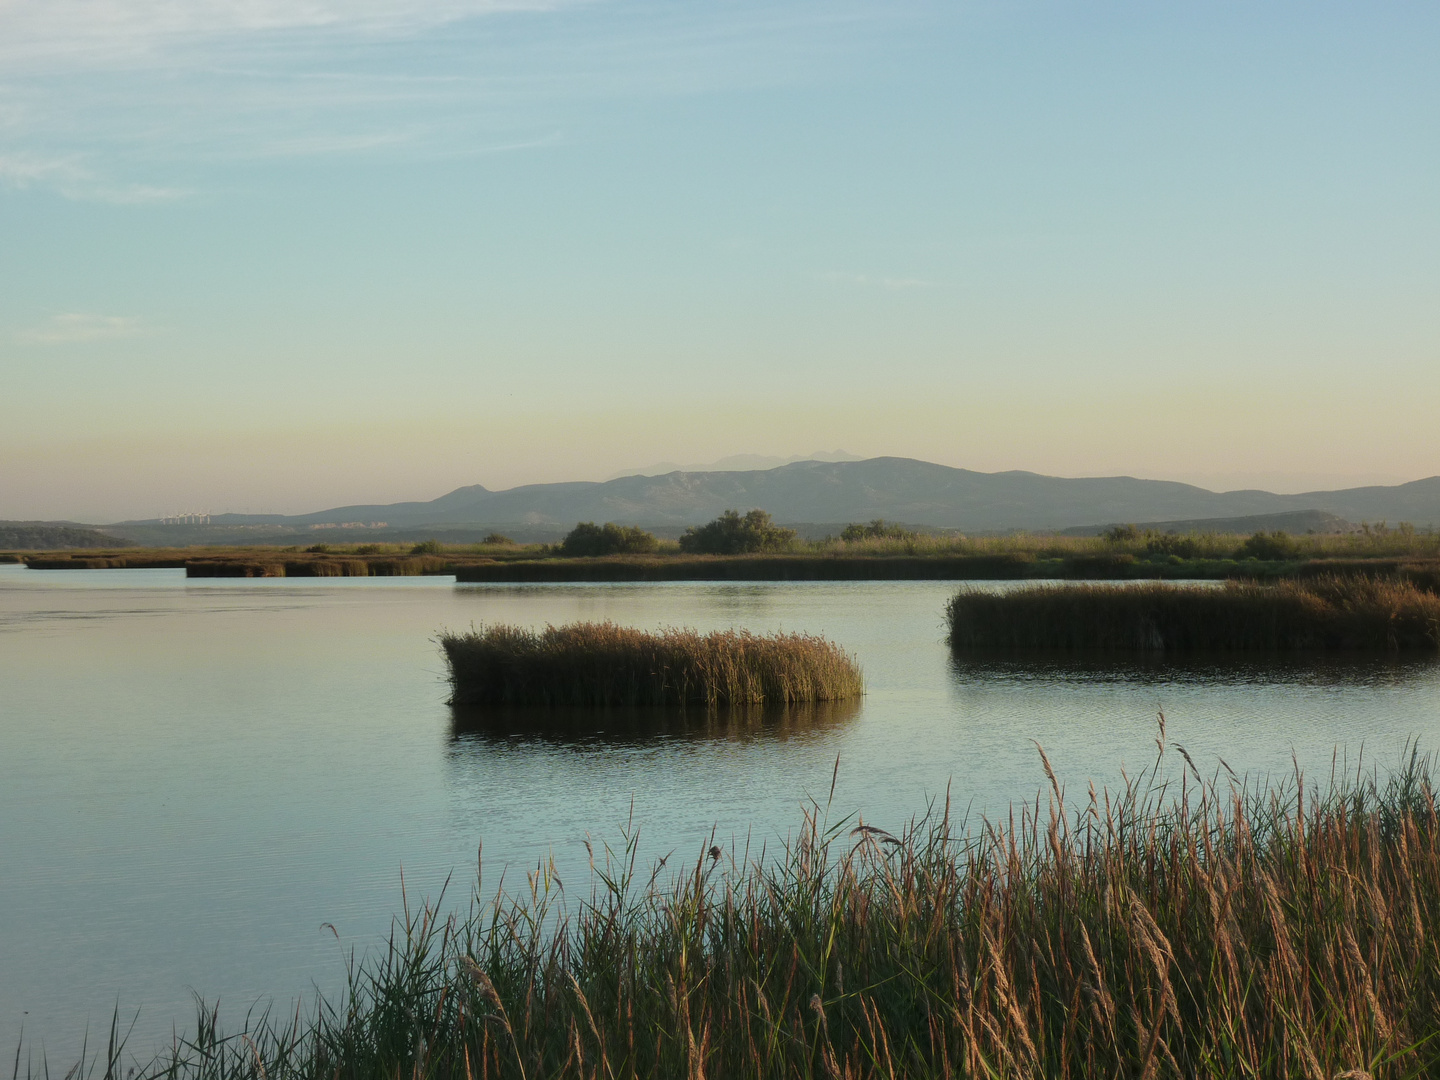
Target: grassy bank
(1181, 930)
(1002, 566)
(1323, 613)
(916, 558)
(604, 664)
(252, 562)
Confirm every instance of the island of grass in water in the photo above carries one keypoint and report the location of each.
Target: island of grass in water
(601, 664)
(1349, 613)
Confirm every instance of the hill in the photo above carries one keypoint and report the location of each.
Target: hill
(52, 535)
(901, 489)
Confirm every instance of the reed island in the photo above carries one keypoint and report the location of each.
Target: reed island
(1352, 612)
(601, 664)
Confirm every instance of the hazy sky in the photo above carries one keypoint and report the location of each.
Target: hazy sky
(277, 255)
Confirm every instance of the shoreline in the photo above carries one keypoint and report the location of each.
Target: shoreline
(524, 566)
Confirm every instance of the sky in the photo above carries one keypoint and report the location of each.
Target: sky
(281, 255)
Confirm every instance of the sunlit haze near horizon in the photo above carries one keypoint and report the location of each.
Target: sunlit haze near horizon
(276, 257)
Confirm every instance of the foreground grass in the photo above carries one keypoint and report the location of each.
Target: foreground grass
(605, 664)
(1176, 929)
(1323, 613)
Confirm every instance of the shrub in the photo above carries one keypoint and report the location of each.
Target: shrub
(1185, 547)
(588, 539)
(1121, 534)
(496, 538)
(428, 547)
(1270, 545)
(731, 534)
(318, 549)
(368, 549)
(879, 529)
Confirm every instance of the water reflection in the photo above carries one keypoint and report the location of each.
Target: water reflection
(474, 724)
(602, 600)
(1297, 670)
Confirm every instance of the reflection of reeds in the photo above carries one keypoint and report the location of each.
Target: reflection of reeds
(604, 664)
(324, 565)
(639, 724)
(1166, 930)
(1322, 613)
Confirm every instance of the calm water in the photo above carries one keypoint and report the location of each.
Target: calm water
(194, 777)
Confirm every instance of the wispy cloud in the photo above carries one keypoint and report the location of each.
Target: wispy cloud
(112, 101)
(305, 145)
(85, 31)
(75, 181)
(78, 327)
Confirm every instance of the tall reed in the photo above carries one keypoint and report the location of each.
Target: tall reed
(1320, 613)
(1180, 928)
(605, 664)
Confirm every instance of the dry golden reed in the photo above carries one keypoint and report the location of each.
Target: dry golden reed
(604, 664)
(1322, 613)
(1178, 928)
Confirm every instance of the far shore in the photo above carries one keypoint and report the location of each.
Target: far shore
(1005, 558)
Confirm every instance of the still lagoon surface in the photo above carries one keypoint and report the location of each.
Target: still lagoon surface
(199, 779)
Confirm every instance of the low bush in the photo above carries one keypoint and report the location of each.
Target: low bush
(605, 664)
(496, 538)
(732, 534)
(1183, 547)
(428, 547)
(879, 529)
(589, 539)
(1270, 546)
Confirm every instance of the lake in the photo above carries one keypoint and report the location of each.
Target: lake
(198, 779)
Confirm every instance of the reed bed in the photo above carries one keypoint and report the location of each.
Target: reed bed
(1177, 928)
(1358, 613)
(1368, 543)
(914, 557)
(601, 664)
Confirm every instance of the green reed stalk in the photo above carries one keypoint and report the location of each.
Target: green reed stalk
(1177, 928)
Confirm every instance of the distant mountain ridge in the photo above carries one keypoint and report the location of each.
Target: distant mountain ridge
(739, 463)
(901, 489)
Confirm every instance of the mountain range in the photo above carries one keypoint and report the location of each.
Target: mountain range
(899, 489)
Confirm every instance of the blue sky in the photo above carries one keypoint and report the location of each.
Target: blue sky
(273, 256)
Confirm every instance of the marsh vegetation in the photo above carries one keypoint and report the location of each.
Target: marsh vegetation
(735, 534)
(751, 546)
(1334, 612)
(589, 539)
(600, 664)
(1188, 927)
